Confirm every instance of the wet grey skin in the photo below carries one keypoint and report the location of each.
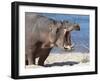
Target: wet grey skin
(42, 34)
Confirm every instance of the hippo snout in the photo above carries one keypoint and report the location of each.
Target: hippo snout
(77, 27)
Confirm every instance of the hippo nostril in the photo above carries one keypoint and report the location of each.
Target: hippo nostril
(77, 27)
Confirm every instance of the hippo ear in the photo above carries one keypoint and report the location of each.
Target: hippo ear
(54, 22)
(65, 21)
(59, 24)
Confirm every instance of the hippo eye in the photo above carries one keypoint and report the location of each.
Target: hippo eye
(57, 30)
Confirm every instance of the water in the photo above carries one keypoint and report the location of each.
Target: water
(79, 38)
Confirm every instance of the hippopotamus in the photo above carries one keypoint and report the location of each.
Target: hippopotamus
(41, 35)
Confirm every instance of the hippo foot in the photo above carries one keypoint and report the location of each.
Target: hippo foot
(41, 64)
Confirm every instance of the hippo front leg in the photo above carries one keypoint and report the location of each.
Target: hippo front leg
(31, 57)
(44, 54)
(42, 60)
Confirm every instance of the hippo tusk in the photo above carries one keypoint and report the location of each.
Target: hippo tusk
(69, 47)
(51, 45)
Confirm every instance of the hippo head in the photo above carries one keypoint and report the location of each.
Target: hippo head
(60, 34)
(64, 39)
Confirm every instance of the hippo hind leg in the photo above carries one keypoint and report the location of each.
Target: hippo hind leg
(26, 62)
